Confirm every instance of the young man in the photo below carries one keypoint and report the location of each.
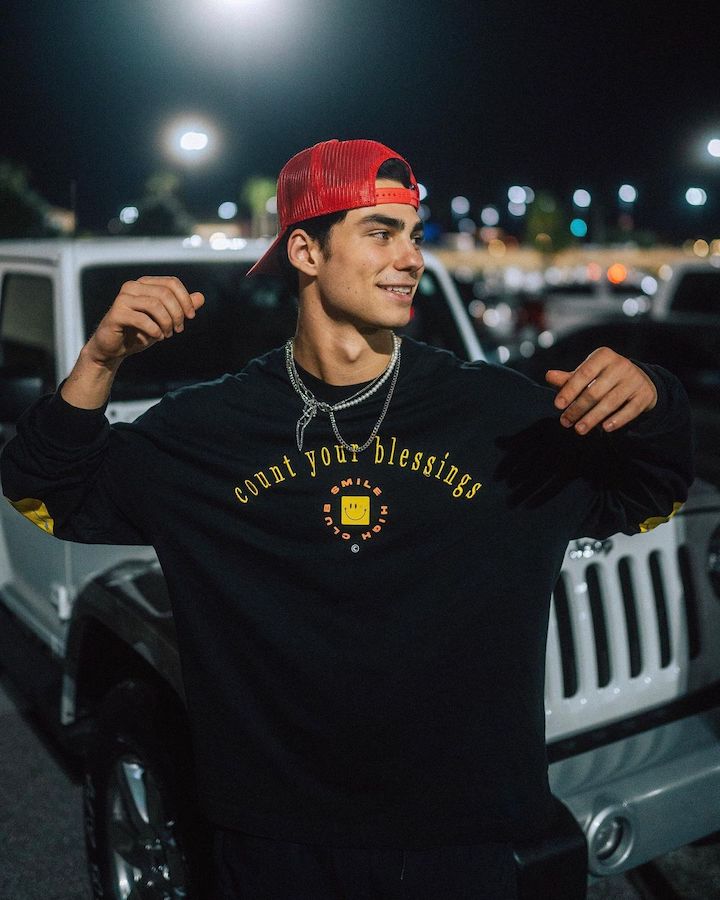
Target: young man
(360, 536)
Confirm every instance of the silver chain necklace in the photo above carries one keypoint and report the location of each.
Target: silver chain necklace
(311, 405)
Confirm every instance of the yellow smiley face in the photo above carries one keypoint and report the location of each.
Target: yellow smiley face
(355, 511)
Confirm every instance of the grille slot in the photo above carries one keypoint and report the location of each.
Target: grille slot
(565, 639)
(597, 611)
(627, 589)
(656, 576)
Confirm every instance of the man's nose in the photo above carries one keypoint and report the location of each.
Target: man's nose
(409, 258)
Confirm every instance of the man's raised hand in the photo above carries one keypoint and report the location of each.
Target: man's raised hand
(145, 311)
(606, 389)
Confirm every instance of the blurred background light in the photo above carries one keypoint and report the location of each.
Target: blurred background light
(129, 215)
(460, 206)
(701, 248)
(190, 140)
(227, 210)
(517, 209)
(713, 147)
(649, 285)
(696, 196)
(194, 140)
(271, 205)
(517, 194)
(529, 194)
(546, 339)
(627, 193)
(582, 198)
(489, 216)
(617, 273)
(578, 228)
(422, 192)
(467, 226)
(497, 247)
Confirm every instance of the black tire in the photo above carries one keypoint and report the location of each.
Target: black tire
(143, 836)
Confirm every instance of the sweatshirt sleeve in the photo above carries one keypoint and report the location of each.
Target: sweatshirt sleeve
(59, 473)
(641, 474)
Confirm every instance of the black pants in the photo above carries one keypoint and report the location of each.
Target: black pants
(255, 868)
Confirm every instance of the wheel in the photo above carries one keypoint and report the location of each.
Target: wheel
(143, 838)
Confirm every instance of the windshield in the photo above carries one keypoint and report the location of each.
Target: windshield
(242, 318)
(698, 292)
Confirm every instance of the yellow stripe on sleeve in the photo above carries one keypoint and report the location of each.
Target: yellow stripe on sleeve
(36, 512)
(654, 521)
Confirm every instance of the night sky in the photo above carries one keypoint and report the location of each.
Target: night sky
(477, 95)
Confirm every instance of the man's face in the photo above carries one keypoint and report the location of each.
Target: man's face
(373, 266)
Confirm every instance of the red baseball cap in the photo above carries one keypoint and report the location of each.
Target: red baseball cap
(330, 177)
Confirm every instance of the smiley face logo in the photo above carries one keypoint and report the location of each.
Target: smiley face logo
(354, 517)
(355, 510)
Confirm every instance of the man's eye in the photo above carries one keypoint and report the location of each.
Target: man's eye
(418, 239)
(381, 234)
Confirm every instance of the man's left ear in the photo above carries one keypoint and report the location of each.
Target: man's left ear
(303, 251)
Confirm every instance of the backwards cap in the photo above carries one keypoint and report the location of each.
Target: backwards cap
(330, 177)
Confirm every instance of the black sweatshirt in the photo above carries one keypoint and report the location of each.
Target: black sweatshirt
(362, 635)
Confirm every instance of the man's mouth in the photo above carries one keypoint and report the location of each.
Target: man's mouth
(403, 290)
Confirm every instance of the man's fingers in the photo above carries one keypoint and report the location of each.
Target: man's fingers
(176, 291)
(145, 326)
(586, 373)
(556, 377)
(604, 409)
(630, 411)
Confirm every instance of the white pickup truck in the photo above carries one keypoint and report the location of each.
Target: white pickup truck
(633, 653)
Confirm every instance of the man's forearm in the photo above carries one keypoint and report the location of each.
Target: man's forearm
(88, 385)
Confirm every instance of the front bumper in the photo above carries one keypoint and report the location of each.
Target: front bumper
(642, 796)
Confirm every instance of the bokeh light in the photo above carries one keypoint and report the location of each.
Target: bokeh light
(578, 227)
(517, 194)
(129, 215)
(627, 193)
(227, 210)
(490, 216)
(696, 196)
(460, 206)
(582, 198)
(617, 273)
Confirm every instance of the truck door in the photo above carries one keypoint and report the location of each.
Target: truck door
(33, 565)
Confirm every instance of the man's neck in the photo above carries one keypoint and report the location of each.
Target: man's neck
(341, 354)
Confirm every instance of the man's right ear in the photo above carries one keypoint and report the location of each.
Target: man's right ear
(303, 251)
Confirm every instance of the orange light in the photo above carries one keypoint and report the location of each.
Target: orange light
(617, 273)
(594, 271)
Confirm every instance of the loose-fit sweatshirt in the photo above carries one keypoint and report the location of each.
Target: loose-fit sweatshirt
(362, 635)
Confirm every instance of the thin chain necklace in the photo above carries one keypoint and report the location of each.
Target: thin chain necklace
(311, 405)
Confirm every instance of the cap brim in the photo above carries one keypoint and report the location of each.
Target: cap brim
(268, 262)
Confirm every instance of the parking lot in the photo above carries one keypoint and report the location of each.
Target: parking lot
(41, 841)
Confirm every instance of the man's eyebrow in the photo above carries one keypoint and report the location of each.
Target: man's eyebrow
(389, 222)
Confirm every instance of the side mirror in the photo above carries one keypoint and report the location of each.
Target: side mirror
(18, 389)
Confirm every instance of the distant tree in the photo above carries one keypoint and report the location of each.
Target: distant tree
(160, 210)
(547, 224)
(254, 195)
(23, 212)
